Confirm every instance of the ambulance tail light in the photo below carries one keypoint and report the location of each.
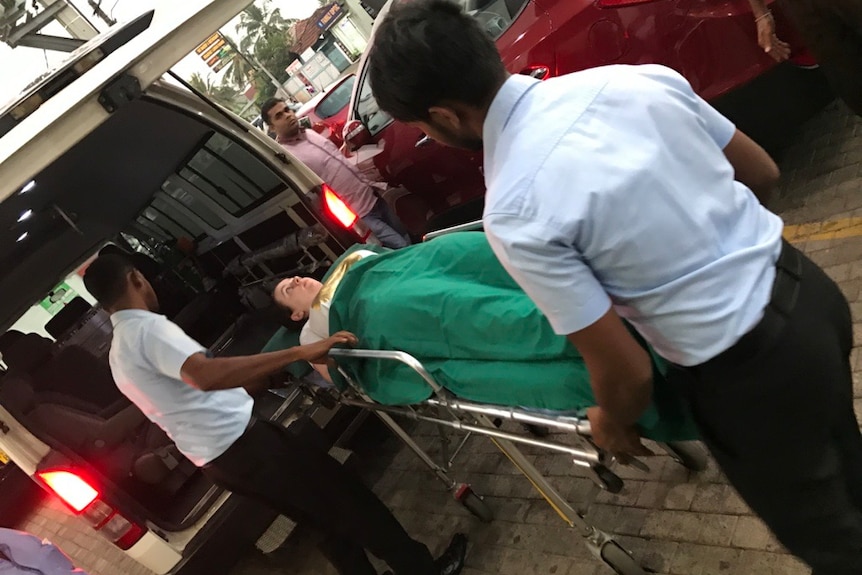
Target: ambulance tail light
(338, 209)
(85, 500)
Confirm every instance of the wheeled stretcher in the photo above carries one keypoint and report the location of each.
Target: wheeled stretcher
(450, 413)
(488, 355)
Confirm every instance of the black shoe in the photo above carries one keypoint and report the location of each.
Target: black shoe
(452, 560)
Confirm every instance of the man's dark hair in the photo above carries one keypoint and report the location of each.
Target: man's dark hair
(105, 278)
(427, 52)
(267, 106)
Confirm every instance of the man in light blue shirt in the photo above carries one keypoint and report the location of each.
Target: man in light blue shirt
(617, 192)
(203, 404)
(25, 554)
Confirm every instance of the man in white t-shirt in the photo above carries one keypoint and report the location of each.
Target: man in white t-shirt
(203, 404)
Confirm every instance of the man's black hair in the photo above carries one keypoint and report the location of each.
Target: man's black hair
(267, 106)
(428, 52)
(106, 278)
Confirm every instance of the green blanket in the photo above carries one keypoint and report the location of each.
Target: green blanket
(450, 303)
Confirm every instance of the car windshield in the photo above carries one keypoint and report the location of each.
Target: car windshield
(336, 100)
(495, 17)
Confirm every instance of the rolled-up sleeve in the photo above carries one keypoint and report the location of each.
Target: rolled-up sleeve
(549, 270)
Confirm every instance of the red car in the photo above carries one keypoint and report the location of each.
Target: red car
(711, 42)
(328, 110)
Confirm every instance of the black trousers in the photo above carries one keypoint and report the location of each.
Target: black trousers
(776, 411)
(832, 30)
(272, 465)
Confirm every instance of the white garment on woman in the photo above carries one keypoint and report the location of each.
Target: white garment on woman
(317, 326)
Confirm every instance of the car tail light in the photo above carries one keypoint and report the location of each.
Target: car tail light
(621, 3)
(538, 71)
(73, 490)
(804, 59)
(84, 500)
(339, 210)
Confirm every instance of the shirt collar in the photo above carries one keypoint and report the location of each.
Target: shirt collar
(299, 136)
(502, 108)
(123, 314)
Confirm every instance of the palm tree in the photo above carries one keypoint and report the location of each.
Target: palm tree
(239, 70)
(259, 20)
(220, 93)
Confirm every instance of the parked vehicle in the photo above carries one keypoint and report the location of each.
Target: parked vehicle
(711, 42)
(327, 111)
(104, 152)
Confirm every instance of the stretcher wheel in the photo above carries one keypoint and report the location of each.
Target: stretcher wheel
(688, 454)
(619, 560)
(474, 504)
(607, 479)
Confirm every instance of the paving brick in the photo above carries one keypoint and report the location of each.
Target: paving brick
(840, 273)
(693, 559)
(652, 494)
(673, 525)
(710, 498)
(680, 496)
(718, 498)
(752, 533)
(717, 529)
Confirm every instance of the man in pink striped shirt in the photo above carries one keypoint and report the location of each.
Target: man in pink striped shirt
(327, 161)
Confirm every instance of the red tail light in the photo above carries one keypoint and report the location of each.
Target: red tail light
(73, 490)
(339, 210)
(84, 499)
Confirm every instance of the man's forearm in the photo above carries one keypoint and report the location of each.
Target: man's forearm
(241, 371)
(624, 401)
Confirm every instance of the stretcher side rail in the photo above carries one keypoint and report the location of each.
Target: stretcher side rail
(587, 455)
(473, 226)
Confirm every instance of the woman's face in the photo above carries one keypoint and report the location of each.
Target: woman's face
(296, 295)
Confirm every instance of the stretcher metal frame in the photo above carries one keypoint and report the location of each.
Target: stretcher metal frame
(477, 418)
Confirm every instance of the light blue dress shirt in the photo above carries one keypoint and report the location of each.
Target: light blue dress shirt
(26, 554)
(610, 187)
(147, 354)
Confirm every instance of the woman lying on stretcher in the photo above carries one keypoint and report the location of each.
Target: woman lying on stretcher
(450, 304)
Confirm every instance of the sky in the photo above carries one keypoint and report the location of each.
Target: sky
(21, 65)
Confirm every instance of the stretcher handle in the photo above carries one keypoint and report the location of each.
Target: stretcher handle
(400, 356)
(468, 227)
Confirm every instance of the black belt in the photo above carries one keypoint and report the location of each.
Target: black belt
(785, 292)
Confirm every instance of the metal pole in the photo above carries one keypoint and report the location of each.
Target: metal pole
(97, 10)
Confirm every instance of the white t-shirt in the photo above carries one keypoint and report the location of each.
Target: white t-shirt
(147, 354)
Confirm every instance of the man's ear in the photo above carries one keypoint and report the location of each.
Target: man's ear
(444, 117)
(136, 278)
(298, 315)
